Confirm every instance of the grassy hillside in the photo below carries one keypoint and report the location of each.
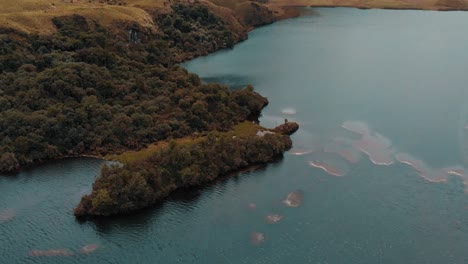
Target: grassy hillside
(34, 16)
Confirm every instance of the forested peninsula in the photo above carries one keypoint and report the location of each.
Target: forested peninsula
(101, 78)
(115, 92)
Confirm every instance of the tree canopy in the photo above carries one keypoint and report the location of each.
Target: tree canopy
(86, 91)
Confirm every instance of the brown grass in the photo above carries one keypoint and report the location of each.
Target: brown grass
(35, 16)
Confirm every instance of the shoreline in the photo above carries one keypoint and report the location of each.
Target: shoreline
(153, 175)
(423, 5)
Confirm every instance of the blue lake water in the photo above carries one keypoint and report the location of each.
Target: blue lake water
(399, 78)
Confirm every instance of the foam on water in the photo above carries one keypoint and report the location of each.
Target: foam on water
(327, 168)
(273, 219)
(257, 238)
(294, 199)
(7, 215)
(357, 127)
(289, 111)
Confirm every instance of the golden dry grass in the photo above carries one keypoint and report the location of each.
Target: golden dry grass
(35, 16)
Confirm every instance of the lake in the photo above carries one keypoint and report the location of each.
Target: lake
(382, 100)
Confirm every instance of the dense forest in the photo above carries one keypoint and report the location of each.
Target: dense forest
(122, 189)
(88, 90)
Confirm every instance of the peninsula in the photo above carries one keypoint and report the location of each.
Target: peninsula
(101, 78)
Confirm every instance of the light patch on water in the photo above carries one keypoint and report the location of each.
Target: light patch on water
(430, 174)
(274, 218)
(300, 152)
(257, 238)
(374, 145)
(327, 168)
(343, 148)
(288, 111)
(51, 253)
(357, 127)
(88, 249)
(294, 199)
(7, 215)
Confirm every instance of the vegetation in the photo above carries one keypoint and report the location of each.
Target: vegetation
(98, 90)
(83, 91)
(35, 16)
(194, 31)
(138, 184)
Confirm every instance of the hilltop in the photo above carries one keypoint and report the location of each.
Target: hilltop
(35, 16)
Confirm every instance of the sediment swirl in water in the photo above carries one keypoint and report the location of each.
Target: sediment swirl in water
(294, 199)
(357, 127)
(89, 249)
(257, 238)
(7, 215)
(456, 172)
(51, 253)
(419, 166)
(273, 219)
(252, 206)
(288, 111)
(376, 147)
(327, 168)
(407, 159)
(349, 155)
(343, 149)
(300, 152)
(430, 174)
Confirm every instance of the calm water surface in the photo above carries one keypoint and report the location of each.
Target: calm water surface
(400, 77)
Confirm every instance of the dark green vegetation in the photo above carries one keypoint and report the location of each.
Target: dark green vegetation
(143, 183)
(87, 90)
(185, 30)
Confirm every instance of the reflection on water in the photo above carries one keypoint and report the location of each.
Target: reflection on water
(234, 81)
(288, 111)
(401, 75)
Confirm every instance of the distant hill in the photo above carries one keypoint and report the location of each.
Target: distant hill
(394, 4)
(35, 16)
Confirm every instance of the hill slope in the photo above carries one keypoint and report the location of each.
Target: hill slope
(35, 16)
